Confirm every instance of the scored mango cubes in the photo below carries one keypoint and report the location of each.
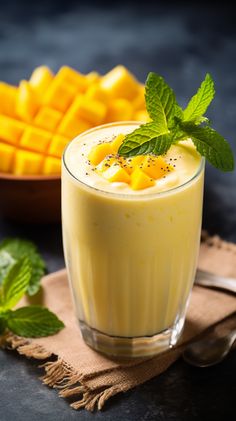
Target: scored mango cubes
(27, 163)
(6, 154)
(41, 115)
(120, 83)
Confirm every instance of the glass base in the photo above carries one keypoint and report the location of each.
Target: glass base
(142, 346)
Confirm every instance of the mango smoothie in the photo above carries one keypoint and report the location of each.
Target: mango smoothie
(131, 253)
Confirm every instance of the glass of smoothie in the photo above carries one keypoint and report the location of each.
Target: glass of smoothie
(131, 253)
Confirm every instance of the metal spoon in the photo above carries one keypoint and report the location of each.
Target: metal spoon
(209, 350)
(208, 279)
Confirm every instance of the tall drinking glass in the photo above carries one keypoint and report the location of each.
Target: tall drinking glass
(131, 258)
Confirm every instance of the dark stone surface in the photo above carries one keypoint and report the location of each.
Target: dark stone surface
(182, 42)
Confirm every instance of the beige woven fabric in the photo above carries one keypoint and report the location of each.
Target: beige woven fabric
(91, 378)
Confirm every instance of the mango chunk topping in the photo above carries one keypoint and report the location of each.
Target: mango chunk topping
(140, 180)
(116, 173)
(140, 171)
(115, 144)
(99, 152)
(155, 167)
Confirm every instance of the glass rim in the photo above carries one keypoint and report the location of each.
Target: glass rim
(126, 195)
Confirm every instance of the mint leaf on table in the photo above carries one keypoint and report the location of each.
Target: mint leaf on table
(212, 145)
(30, 321)
(199, 103)
(15, 284)
(33, 321)
(170, 125)
(160, 102)
(6, 261)
(12, 249)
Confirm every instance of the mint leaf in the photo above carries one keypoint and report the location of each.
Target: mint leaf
(6, 261)
(15, 284)
(160, 102)
(212, 145)
(199, 103)
(144, 134)
(17, 248)
(33, 322)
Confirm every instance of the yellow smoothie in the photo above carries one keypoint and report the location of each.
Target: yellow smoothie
(131, 254)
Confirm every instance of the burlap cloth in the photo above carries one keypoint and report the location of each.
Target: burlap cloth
(89, 378)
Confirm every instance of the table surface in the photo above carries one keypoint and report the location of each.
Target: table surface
(181, 42)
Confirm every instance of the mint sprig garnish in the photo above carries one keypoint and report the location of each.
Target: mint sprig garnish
(160, 102)
(13, 249)
(199, 103)
(30, 321)
(170, 125)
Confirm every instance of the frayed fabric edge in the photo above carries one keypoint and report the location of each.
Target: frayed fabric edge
(59, 375)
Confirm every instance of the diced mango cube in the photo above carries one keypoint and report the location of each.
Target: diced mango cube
(131, 163)
(120, 83)
(57, 145)
(115, 144)
(96, 92)
(67, 75)
(106, 163)
(6, 157)
(47, 118)
(52, 166)
(72, 125)
(27, 163)
(59, 95)
(93, 77)
(91, 110)
(40, 79)
(8, 96)
(35, 139)
(26, 102)
(10, 129)
(119, 110)
(155, 167)
(139, 101)
(140, 180)
(99, 152)
(116, 174)
(141, 115)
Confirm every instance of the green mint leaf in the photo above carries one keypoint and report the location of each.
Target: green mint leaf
(6, 261)
(212, 145)
(33, 322)
(15, 283)
(17, 248)
(199, 103)
(160, 102)
(145, 140)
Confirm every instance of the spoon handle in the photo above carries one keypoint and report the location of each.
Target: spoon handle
(208, 279)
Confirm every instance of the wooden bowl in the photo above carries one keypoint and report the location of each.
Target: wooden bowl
(30, 199)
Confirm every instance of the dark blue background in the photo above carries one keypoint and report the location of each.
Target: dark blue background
(181, 41)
